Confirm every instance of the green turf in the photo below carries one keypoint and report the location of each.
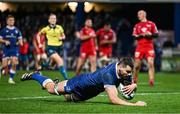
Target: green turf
(27, 97)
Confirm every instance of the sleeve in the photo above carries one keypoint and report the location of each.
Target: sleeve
(43, 30)
(108, 80)
(135, 30)
(154, 28)
(61, 29)
(19, 35)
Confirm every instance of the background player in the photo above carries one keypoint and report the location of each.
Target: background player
(106, 37)
(86, 86)
(54, 34)
(88, 47)
(144, 32)
(11, 37)
(39, 52)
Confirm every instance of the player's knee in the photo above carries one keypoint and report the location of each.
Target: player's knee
(150, 64)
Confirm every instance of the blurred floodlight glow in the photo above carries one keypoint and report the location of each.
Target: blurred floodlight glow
(88, 7)
(3, 6)
(73, 6)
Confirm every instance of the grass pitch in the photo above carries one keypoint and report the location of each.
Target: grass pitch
(28, 97)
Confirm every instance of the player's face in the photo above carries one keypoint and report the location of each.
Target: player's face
(52, 19)
(88, 23)
(141, 15)
(107, 27)
(10, 21)
(124, 70)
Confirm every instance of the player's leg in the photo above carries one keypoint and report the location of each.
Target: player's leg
(37, 62)
(150, 61)
(59, 61)
(137, 66)
(80, 63)
(45, 82)
(12, 71)
(92, 60)
(4, 65)
(54, 56)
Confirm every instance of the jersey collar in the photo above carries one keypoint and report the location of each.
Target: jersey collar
(10, 27)
(117, 71)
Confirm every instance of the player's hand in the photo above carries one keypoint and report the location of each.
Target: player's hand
(148, 33)
(7, 43)
(92, 34)
(40, 46)
(141, 103)
(129, 88)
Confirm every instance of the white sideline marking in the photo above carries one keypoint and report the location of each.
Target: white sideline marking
(146, 94)
(21, 98)
(44, 97)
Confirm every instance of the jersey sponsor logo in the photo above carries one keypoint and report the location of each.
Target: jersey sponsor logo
(144, 29)
(106, 37)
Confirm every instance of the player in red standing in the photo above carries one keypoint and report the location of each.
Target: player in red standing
(106, 37)
(39, 52)
(144, 32)
(88, 47)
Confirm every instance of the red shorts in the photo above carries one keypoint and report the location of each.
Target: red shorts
(146, 52)
(40, 52)
(86, 53)
(105, 52)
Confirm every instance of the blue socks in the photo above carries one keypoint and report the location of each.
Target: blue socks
(39, 78)
(63, 72)
(12, 73)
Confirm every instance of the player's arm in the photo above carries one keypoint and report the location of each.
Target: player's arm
(41, 32)
(113, 97)
(35, 44)
(136, 35)
(19, 38)
(6, 42)
(86, 37)
(110, 41)
(62, 35)
(154, 32)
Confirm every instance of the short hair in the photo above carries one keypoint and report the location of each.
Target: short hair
(9, 16)
(52, 14)
(127, 61)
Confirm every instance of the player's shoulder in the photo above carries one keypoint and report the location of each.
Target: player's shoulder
(111, 30)
(137, 24)
(150, 22)
(59, 26)
(45, 27)
(16, 29)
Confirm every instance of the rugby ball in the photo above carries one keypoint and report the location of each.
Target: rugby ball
(126, 96)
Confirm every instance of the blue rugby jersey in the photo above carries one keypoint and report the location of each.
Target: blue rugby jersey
(11, 34)
(89, 85)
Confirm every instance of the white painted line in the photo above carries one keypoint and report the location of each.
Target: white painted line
(102, 95)
(146, 94)
(25, 98)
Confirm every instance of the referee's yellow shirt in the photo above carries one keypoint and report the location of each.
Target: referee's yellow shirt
(53, 35)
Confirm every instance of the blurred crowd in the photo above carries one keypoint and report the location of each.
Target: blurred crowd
(30, 21)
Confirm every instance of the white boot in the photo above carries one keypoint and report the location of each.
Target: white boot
(11, 81)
